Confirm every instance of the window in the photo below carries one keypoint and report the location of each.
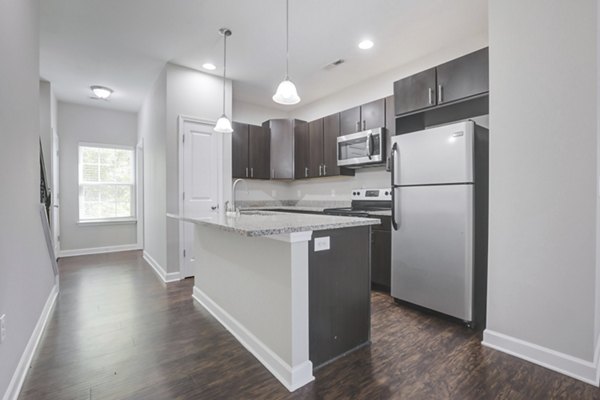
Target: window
(106, 183)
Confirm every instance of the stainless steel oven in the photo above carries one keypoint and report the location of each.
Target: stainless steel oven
(361, 149)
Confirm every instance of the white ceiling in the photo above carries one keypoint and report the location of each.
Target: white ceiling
(124, 44)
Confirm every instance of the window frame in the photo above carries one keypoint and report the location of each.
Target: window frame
(134, 189)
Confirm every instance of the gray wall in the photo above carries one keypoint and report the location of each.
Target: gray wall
(193, 94)
(543, 173)
(151, 133)
(79, 123)
(177, 91)
(597, 313)
(26, 276)
(47, 123)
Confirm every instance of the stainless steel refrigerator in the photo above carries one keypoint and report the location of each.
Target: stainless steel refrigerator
(439, 218)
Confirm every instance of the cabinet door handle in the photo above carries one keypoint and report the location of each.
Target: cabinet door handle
(251, 172)
(306, 172)
(430, 91)
(320, 170)
(440, 94)
(273, 173)
(357, 126)
(364, 125)
(324, 169)
(246, 172)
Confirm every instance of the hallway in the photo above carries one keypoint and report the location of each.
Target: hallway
(117, 332)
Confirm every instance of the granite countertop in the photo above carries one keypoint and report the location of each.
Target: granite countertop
(265, 223)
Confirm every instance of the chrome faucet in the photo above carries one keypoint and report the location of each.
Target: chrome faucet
(234, 186)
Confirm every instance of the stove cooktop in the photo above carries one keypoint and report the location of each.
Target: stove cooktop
(365, 201)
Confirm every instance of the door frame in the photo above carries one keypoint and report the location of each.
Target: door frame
(186, 242)
(55, 189)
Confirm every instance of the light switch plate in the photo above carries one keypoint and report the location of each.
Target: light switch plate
(322, 243)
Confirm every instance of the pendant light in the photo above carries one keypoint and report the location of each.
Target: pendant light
(223, 124)
(286, 91)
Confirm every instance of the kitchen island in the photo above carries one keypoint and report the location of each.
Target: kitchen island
(294, 289)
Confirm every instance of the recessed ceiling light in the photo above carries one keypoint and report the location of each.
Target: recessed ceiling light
(209, 66)
(101, 92)
(365, 44)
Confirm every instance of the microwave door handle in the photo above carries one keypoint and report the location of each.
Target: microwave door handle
(393, 168)
(369, 147)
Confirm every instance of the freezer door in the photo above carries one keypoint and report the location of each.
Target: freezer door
(432, 250)
(434, 156)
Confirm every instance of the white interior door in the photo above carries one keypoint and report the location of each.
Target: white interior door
(55, 213)
(201, 157)
(202, 172)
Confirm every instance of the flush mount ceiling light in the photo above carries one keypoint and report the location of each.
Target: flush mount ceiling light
(209, 66)
(223, 124)
(365, 44)
(286, 91)
(101, 92)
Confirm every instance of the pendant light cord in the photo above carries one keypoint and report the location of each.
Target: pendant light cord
(224, 67)
(287, 40)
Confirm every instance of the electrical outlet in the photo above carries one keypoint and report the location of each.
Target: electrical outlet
(322, 243)
(2, 328)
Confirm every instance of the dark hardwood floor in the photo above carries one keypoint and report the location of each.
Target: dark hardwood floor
(117, 332)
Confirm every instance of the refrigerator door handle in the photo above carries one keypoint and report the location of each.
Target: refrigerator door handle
(393, 168)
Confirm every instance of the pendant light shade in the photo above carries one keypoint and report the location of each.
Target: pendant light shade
(286, 91)
(223, 124)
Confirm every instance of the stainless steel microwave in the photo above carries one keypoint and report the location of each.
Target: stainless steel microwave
(361, 149)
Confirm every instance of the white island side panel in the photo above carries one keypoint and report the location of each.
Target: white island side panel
(258, 288)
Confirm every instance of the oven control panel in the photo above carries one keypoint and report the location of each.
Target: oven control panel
(371, 194)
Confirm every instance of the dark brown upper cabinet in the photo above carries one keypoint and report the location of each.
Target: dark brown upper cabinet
(331, 131)
(464, 77)
(415, 92)
(349, 121)
(454, 81)
(390, 119)
(259, 154)
(250, 151)
(372, 115)
(322, 148)
(281, 134)
(301, 152)
(315, 133)
(368, 116)
(240, 168)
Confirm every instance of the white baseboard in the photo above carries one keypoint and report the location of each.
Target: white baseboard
(291, 378)
(16, 383)
(597, 361)
(98, 250)
(586, 371)
(160, 271)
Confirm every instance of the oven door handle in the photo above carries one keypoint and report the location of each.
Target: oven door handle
(393, 187)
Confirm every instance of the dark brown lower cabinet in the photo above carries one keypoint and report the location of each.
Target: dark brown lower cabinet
(339, 294)
(381, 254)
